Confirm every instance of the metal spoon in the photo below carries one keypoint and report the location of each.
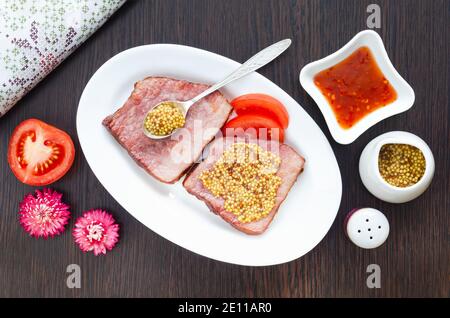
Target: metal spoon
(255, 62)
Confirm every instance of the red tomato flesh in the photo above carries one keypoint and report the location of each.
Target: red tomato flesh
(38, 153)
(262, 105)
(263, 127)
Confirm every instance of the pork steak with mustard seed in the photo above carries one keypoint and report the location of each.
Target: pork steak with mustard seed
(167, 159)
(290, 168)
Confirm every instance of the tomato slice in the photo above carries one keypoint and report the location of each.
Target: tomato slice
(263, 105)
(263, 127)
(38, 153)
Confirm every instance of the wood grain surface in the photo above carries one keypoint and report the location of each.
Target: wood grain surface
(415, 259)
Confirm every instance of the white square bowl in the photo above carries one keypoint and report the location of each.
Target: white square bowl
(405, 94)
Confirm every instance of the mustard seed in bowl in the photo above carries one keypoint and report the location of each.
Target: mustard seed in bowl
(245, 177)
(401, 165)
(164, 119)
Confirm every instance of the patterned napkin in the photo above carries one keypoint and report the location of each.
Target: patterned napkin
(37, 35)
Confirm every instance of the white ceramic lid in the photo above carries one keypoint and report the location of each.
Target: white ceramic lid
(367, 228)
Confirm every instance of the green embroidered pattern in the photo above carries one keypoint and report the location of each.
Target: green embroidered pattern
(37, 35)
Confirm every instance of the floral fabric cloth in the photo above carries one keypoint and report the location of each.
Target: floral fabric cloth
(37, 35)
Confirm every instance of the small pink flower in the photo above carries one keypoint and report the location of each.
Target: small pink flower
(43, 215)
(96, 231)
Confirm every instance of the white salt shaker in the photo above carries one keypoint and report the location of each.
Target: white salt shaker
(366, 227)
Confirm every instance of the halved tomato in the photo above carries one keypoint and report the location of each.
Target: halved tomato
(263, 105)
(38, 153)
(263, 127)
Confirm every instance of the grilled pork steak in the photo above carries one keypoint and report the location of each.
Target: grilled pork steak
(291, 166)
(167, 159)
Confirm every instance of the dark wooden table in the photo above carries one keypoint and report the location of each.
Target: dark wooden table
(415, 259)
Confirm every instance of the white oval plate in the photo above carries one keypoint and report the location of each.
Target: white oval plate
(303, 219)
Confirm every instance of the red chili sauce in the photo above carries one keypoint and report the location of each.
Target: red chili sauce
(355, 87)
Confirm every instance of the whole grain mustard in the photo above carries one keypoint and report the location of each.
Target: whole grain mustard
(245, 177)
(401, 165)
(164, 119)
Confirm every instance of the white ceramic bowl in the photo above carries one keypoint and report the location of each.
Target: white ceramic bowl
(374, 182)
(404, 101)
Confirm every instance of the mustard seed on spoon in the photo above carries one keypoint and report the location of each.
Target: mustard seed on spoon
(167, 117)
(164, 119)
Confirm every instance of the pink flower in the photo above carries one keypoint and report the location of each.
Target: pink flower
(96, 231)
(43, 215)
